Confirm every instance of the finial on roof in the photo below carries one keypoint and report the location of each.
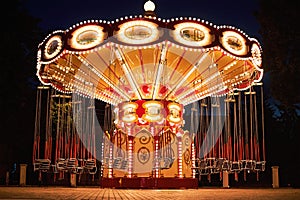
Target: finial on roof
(149, 8)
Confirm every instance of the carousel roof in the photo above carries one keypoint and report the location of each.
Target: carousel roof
(145, 57)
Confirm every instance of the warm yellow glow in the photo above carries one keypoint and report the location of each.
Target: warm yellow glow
(256, 55)
(138, 32)
(53, 47)
(159, 70)
(192, 34)
(234, 43)
(87, 37)
(130, 112)
(149, 6)
(128, 73)
(152, 111)
(174, 113)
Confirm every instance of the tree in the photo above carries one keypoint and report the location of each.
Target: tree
(20, 36)
(280, 33)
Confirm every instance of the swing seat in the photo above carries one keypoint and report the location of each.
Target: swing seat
(260, 166)
(36, 165)
(247, 164)
(167, 163)
(210, 163)
(218, 165)
(90, 166)
(45, 165)
(203, 171)
(226, 165)
(42, 165)
(235, 166)
(61, 164)
(117, 163)
(202, 164)
(80, 166)
(164, 163)
(71, 165)
(124, 165)
(54, 168)
(202, 167)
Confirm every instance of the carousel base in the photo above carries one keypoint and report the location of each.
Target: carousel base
(149, 183)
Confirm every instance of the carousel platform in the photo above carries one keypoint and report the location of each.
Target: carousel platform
(149, 183)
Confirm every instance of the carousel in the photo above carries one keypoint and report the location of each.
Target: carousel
(182, 98)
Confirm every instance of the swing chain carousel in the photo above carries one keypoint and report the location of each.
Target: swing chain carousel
(151, 73)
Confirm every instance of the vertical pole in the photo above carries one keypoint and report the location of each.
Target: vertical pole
(130, 153)
(180, 175)
(225, 179)
(275, 178)
(73, 179)
(7, 178)
(23, 168)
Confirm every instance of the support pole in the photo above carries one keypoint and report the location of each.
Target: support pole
(225, 179)
(73, 179)
(275, 177)
(23, 168)
(7, 178)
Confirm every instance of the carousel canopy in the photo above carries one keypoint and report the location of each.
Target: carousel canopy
(145, 57)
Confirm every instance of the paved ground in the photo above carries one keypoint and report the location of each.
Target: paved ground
(82, 193)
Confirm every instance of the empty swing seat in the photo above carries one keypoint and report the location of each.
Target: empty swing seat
(61, 164)
(167, 163)
(42, 165)
(226, 165)
(202, 164)
(36, 165)
(219, 164)
(124, 164)
(90, 166)
(247, 164)
(235, 166)
(80, 166)
(210, 164)
(117, 162)
(71, 165)
(260, 166)
(203, 170)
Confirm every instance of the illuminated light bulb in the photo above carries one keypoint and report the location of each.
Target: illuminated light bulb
(149, 6)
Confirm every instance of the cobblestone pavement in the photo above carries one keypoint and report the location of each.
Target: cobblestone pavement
(83, 193)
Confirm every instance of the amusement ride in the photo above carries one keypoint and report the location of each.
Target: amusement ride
(182, 98)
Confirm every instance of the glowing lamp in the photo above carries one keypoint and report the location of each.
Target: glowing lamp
(149, 6)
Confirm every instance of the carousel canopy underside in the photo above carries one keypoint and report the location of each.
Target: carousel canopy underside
(181, 60)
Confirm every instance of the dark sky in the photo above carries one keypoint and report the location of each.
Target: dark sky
(61, 14)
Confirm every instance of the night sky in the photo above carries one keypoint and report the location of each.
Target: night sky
(57, 14)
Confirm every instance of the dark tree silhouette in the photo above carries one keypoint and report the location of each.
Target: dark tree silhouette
(20, 36)
(280, 32)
